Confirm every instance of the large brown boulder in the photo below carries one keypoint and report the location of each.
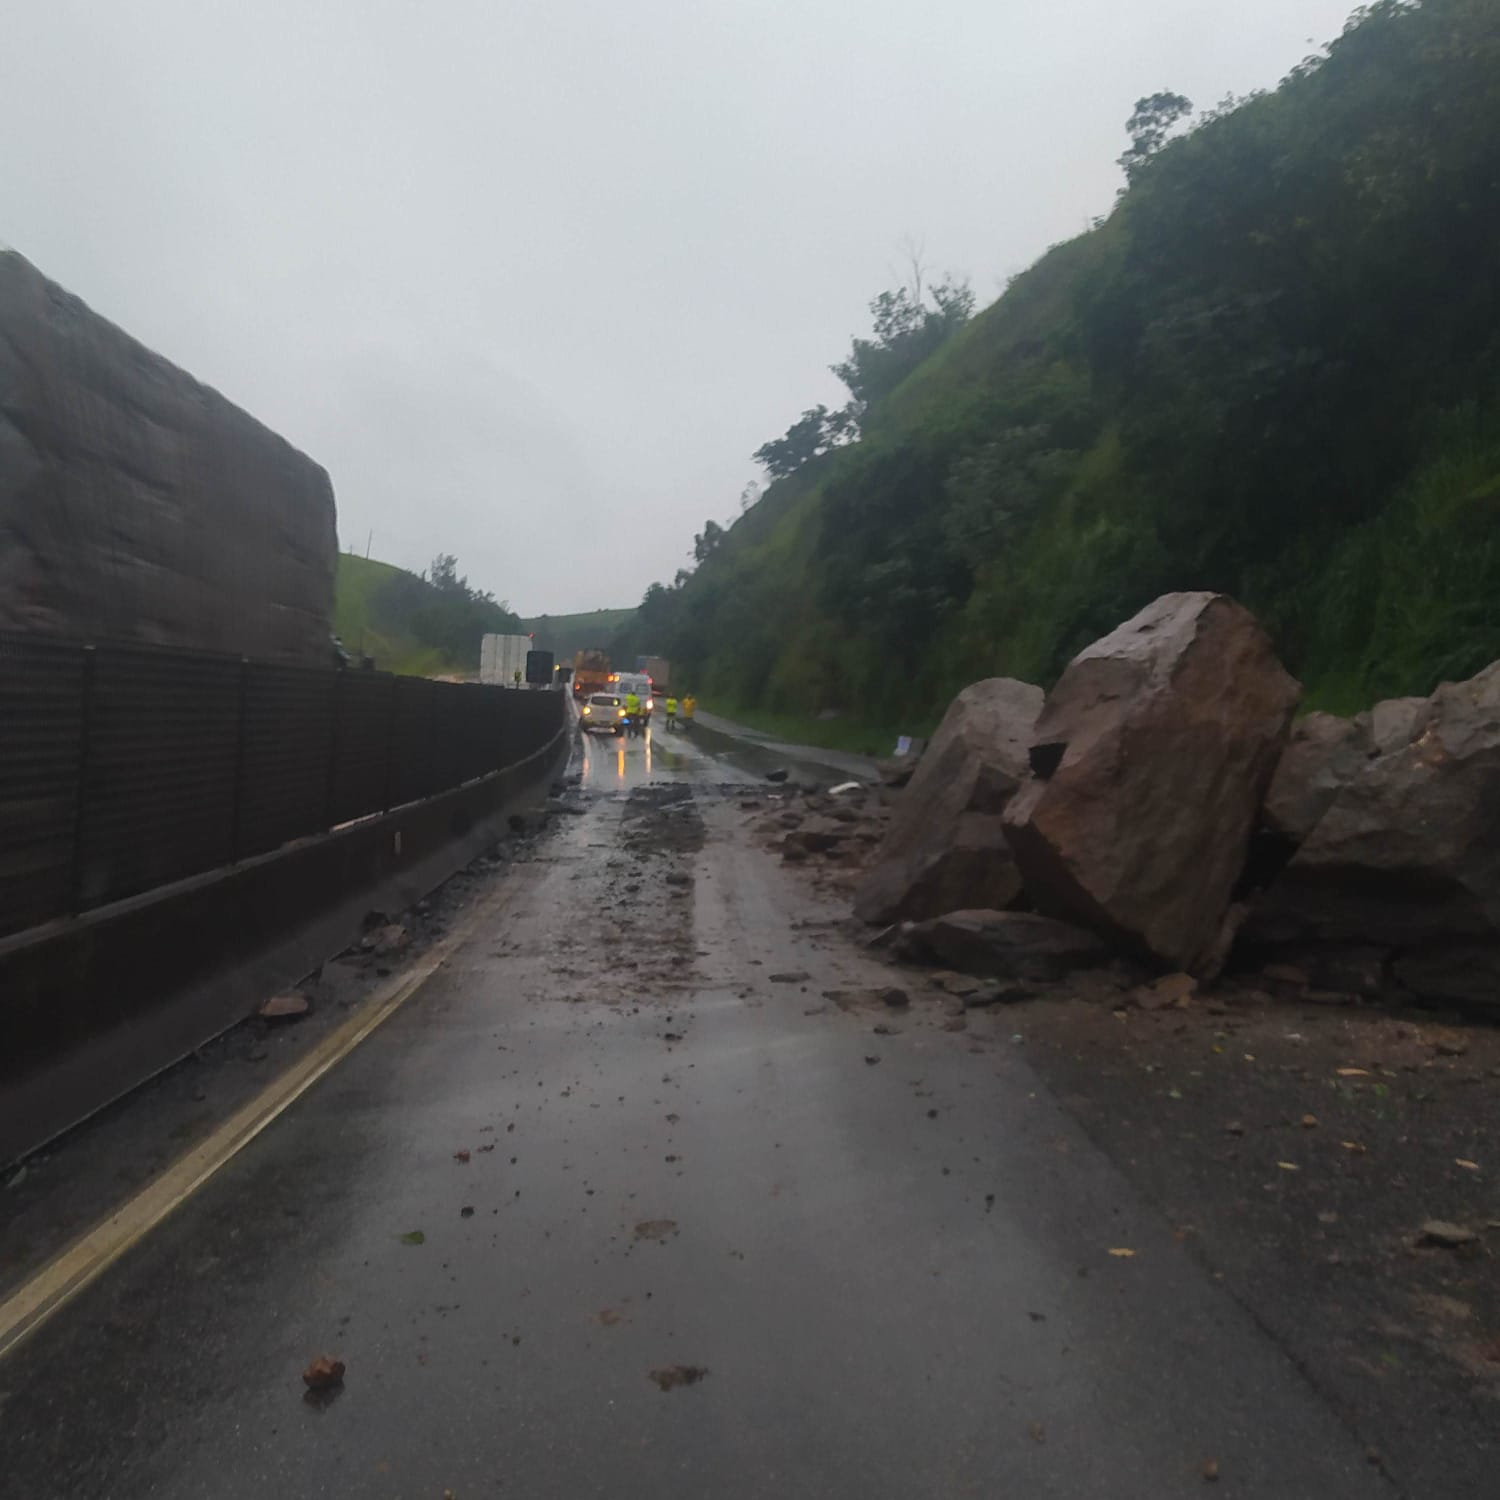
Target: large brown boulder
(1150, 764)
(1407, 857)
(945, 847)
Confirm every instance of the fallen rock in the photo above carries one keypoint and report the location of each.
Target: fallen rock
(285, 1007)
(945, 847)
(1003, 944)
(817, 836)
(1445, 1235)
(1171, 989)
(1403, 860)
(656, 1229)
(391, 939)
(324, 1373)
(874, 999)
(777, 776)
(954, 983)
(1150, 762)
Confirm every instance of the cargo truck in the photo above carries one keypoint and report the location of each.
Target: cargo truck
(590, 672)
(658, 669)
(502, 659)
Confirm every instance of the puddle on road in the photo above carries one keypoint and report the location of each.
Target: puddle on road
(611, 763)
(615, 764)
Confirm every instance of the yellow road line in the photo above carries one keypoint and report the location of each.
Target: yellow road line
(89, 1256)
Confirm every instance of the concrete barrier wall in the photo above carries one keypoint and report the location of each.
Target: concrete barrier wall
(92, 1006)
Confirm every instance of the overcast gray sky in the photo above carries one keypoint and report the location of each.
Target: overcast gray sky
(533, 278)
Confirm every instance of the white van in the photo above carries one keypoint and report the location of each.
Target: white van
(639, 684)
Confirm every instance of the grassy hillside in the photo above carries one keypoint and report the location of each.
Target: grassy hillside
(1274, 370)
(566, 635)
(407, 624)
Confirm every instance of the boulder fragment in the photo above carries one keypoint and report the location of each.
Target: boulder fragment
(1446, 1235)
(1323, 754)
(1003, 944)
(817, 836)
(284, 1007)
(945, 847)
(1150, 763)
(393, 938)
(1170, 989)
(324, 1373)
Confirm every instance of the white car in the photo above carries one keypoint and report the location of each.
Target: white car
(603, 713)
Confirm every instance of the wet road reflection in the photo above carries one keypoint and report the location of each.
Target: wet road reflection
(611, 761)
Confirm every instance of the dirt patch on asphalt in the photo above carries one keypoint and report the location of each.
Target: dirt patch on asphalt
(1299, 1149)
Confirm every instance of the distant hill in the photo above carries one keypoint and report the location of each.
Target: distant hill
(409, 625)
(566, 635)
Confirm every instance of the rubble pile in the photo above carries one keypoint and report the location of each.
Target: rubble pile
(1161, 814)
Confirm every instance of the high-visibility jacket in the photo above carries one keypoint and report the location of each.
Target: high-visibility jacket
(632, 703)
(671, 708)
(688, 705)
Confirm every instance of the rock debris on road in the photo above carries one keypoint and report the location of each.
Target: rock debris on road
(904, 1279)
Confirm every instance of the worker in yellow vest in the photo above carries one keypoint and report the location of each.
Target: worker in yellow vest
(689, 703)
(671, 713)
(633, 712)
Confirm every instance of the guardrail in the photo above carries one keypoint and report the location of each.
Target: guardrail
(126, 768)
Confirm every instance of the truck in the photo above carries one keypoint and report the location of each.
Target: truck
(658, 669)
(502, 659)
(590, 672)
(139, 506)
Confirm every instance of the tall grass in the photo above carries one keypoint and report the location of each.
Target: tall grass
(1411, 598)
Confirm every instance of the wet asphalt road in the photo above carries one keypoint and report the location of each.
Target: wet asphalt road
(897, 1273)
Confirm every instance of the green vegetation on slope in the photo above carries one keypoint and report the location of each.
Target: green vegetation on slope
(566, 635)
(1274, 370)
(421, 627)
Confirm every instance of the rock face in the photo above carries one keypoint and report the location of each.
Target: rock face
(1004, 944)
(945, 847)
(1408, 855)
(1150, 763)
